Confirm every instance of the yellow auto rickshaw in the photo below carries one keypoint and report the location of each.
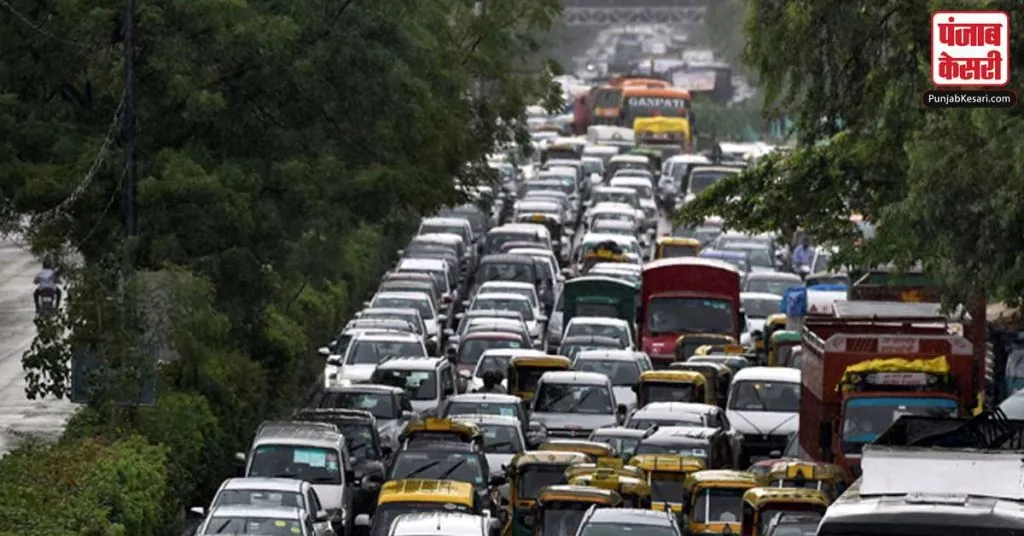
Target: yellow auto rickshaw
(717, 376)
(712, 500)
(577, 469)
(528, 474)
(780, 348)
(399, 497)
(524, 372)
(827, 478)
(596, 451)
(433, 429)
(635, 492)
(667, 247)
(761, 505)
(672, 386)
(560, 508)
(666, 474)
(686, 345)
(713, 349)
(772, 324)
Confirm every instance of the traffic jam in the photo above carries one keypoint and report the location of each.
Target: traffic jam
(555, 358)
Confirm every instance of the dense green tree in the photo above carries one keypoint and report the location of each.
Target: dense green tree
(942, 185)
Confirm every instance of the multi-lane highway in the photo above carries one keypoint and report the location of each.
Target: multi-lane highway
(18, 414)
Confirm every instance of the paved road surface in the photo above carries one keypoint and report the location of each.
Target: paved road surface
(44, 418)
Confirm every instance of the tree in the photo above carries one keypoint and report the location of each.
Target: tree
(939, 184)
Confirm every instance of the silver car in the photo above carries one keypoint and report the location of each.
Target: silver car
(572, 404)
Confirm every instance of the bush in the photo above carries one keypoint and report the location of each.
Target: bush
(86, 488)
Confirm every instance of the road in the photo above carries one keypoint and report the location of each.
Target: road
(18, 414)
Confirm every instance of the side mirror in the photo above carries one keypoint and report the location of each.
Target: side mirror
(466, 375)
(324, 351)
(322, 517)
(240, 457)
(448, 332)
(460, 316)
(334, 360)
(465, 303)
(497, 480)
(542, 319)
(366, 304)
(362, 520)
(197, 511)
(400, 252)
(442, 318)
(408, 415)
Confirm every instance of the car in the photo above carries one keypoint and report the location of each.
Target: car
(622, 367)
(452, 241)
(514, 302)
(572, 404)
(670, 414)
(739, 259)
(761, 259)
(448, 460)
(444, 272)
(498, 404)
(270, 493)
(516, 232)
(528, 290)
(420, 301)
(607, 226)
(624, 440)
(334, 362)
(572, 346)
(554, 335)
(547, 266)
(475, 343)
(239, 519)
(771, 282)
(310, 451)
(630, 245)
(496, 360)
(444, 524)
(503, 438)
(708, 444)
(389, 405)
(601, 326)
(405, 313)
(513, 326)
(367, 350)
(701, 178)
(644, 189)
(467, 318)
(506, 267)
(626, 196)
(469, 212)
(764, 405)
(615, 212)
(626, 521)
(758, 306)
(428, 380)
(398, 285)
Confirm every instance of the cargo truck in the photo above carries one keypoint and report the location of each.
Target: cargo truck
(869, 364)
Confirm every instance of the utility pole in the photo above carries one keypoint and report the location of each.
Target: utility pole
(128, 127)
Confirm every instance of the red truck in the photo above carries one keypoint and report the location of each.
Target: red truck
(836, 423)
(683, 296)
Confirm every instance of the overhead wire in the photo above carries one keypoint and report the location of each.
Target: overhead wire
(35, 27)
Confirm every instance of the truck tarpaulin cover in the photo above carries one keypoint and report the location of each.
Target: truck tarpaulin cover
(937, 366)
(794, 300)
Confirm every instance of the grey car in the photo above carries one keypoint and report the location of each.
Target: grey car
(572, 404)
(389, 405)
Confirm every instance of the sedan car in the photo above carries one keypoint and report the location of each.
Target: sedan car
(473, 345)
(389, 405)
(270, 492)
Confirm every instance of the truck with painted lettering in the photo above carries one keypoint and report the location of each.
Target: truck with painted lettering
(872, 362)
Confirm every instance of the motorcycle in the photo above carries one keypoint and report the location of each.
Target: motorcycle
(47, 305)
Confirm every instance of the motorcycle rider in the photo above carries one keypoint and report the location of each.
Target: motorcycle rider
(492, 383)
(47, 282)
(802, 254)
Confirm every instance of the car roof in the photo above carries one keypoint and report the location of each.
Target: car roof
(440, 220)
(411, 363)
(493, 313)
(297, 433)
(532, 252)
(501, 296)
(777, 374)
(506, 258)
(759, 296)
(640, 516)
(422, 263)
(403, 295)
(689, 159)
(248, 510)
(777, 276)
(605, 237)
(263, 484)
(498, 398)
(681, 434)
(605, 355)
(678, 407)
(439, 523)
(599, 321)
(574, 377)
(613, 224)
(584, 339)
(525, 204)
(614, 190)
(511, 352)
(388, 336)
(495, 321)
(609, 207)
(377, 388)
(633, 158)
(499, 420)
(600, 149)
(507, 284)
(439, 237)
(504, 335)
(630, 180)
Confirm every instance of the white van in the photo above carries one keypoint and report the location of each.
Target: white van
(764, 405)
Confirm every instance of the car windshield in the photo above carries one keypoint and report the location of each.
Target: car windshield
(669, 251)
(384, 515)
(669, 392)
(574, 398)
(619, 371)
(423, 306)
(359, 440)
(626, 446)
(312, 464)
(573, 350)
(821, 261)
(381, 405)
(527, 293)
(640, 422)
(701, 180)
(718, 505)
(504, 409)
(618, 529)
(534, 478)
(420, 384)
(614, 216)
(761, 307)
(522, 272)
(567, 186)
(612, 228)
(690, 315)
(496, 239)
(501, 439)
(434, 228)
(412, 318)
(642, 191)
(771, 286)
(492, 363)
(372, 352)
(471, 350)
(591, 329)
(737, 259)
(260, 498)
(505, 304)
(562, 517)
(667, 486)
(263, 526)
(438, 465)
(755, 256)
(629, 198)
(866, 418)
(679, 449)
(783, 397)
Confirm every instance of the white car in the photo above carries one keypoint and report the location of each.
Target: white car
(603, 326)
(758, 306)
(437, 269)
(611, 194)
(367, 350)
(645, 193)
(511, 287)
(507, 301)
(764, 405)
(496, 360)
(613, 211)
(420, 301)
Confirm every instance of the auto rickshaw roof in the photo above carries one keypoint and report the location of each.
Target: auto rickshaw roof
(679, 376)
(724, 476)
(548, 457)
(676, 241)
(610, 480)
(590, 448)
(786, 336)
(717, 369)
(671, 463)
(418, 490)
(760, 496)
(777, 319)
(586, 494)
(577, 469)
(468, 431)
(802, 469)
(529, 361)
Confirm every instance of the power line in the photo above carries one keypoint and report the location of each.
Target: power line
(35, 27)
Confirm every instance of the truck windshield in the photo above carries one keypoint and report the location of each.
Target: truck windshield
(866, 418)
(690, 315)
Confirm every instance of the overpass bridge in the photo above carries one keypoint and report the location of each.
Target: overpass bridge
(616, 12)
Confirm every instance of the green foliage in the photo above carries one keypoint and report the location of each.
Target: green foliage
(717, 121)
(87, 488)
(941, 185)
